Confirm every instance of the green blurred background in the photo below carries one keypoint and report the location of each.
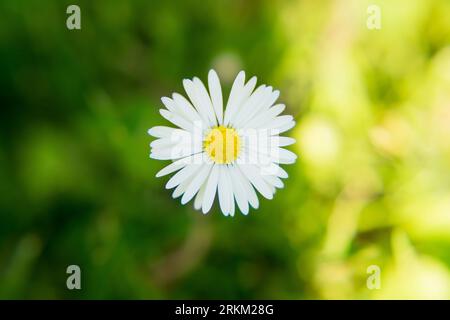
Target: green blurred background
(371, 185)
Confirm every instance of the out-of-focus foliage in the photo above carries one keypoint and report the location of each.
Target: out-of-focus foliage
(371, 186)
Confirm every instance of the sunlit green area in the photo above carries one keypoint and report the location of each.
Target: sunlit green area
(371, 186)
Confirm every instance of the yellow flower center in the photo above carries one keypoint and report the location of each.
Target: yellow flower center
(222, 144)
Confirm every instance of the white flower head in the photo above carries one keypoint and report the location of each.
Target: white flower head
(232, 151)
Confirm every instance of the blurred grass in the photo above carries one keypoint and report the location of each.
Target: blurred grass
(371, 186)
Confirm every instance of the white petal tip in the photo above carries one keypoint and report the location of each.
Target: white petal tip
(169, 186)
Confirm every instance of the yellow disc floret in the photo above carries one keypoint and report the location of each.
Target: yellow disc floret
(222, 144)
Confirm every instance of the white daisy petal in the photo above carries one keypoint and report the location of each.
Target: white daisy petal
(169, 104)
(240, 98)
(255, 98)
(211, 187)
(175, 152)
(196, 183)
(175, 166)
(176, 145)
(189, 87)
(237, 86)
(274, 169)
(164, 132)
(162, 143)
(252, 106)
(281, 155)
(249, 191)
(252, 174)
(182, 175)
(270, 154)
(176, 120)
(179, 137)
(187, 107)
(264, 105)
(240, 193)
(273, 189)
(181, 107)
(279, 122)
(232, 205)
(273, 181)
(265, 117)
(205, 100)
(215, 91)
(199, 197)
(224, 192)
(273, 97)
(236, 89)
(281, 141)
(185, 173)
(182, 187)
(283, 128)
(281, 172)
(231, 190)
(169, 154)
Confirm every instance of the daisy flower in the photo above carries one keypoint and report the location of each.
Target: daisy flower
(234, 152)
